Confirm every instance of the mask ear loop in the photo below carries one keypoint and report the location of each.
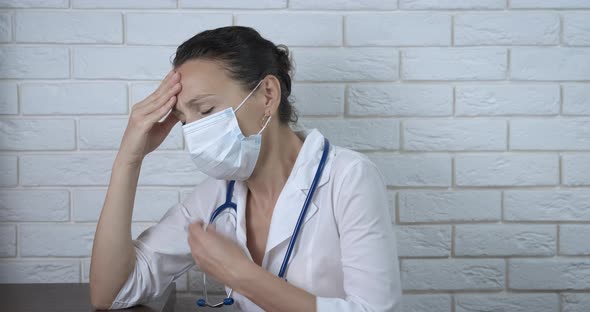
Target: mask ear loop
(244, 101)
(265, 124)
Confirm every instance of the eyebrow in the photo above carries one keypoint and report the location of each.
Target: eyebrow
(192, 101)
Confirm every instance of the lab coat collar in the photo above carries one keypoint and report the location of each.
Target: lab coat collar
(290, 201)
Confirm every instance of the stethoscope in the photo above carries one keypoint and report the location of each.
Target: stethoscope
(202, 302)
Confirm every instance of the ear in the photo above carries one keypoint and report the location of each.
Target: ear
(271, 87)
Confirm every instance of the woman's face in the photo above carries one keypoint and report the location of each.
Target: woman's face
(207, 89)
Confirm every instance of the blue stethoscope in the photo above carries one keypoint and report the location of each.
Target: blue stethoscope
(229, 204)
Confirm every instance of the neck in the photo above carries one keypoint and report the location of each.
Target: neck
(275, 164)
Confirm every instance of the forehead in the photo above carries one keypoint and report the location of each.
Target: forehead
(202, 76)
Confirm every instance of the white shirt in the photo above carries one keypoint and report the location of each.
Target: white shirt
(345, 254)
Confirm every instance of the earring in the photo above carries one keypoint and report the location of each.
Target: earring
(264, 120)
(265, 124)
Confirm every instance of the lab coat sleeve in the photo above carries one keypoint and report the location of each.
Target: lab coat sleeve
(162, 255)
(367, 241)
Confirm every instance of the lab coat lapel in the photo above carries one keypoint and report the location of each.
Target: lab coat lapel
(290, 202)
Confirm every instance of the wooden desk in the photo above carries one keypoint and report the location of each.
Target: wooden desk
(69, 297)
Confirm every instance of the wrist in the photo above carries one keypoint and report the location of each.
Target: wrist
(244, 278)
(126, 161)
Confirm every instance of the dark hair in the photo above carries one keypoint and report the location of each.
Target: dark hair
(247, 57)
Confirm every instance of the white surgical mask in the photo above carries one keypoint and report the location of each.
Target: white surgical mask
(219, 148)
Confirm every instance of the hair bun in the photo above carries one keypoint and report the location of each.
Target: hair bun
(282, 50)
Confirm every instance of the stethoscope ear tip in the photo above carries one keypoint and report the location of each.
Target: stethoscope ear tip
(201, 302)
(228, 301)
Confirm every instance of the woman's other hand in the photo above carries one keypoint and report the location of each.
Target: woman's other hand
(217, 255)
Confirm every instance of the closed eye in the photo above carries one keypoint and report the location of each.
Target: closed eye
(208, 111)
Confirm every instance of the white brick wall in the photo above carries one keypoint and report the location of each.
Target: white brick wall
(476, 111)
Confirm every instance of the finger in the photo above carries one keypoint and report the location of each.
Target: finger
(163, 98)
(158, 114)
(171, 78)
(158, 101)
(150, 98)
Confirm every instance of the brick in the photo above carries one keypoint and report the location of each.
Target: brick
(576, 99)
(390, 29)
(507, 28)
(149, 205)
(400, 100)
(451, 4)
(8, 240)
(60, 240)
(549, 4)
(573, 239)
(521, 302)
(74, 98)
(34, 4)
(170, 28)
(345, 64)
(505, 240)
(454, 135)
(358, 134)
(34, 62)
(51, 240)
(576, 28)
(550, 134)
(95, 169)
(8, 98)
(37, 134)
(312, 29)
(121, 4)
(342, 5)
(8, 170)
(498, 100)
(558, 274)
(424, 240)
(324, 99)
(69, 27)
(414, 170)
(547, 205)
(575, 169)
(446, 206)
(530, 63)
(5, 27)
(106, 134)
(78, 169)
(34, 205)
(38, 271)
(575, 302)
(506, 169)
(453, 274)
(233, 4)
(130, 62)
(464, 63)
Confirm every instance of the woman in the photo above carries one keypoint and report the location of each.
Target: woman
(230, 90)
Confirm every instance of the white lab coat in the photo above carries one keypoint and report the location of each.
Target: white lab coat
(345, 254)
